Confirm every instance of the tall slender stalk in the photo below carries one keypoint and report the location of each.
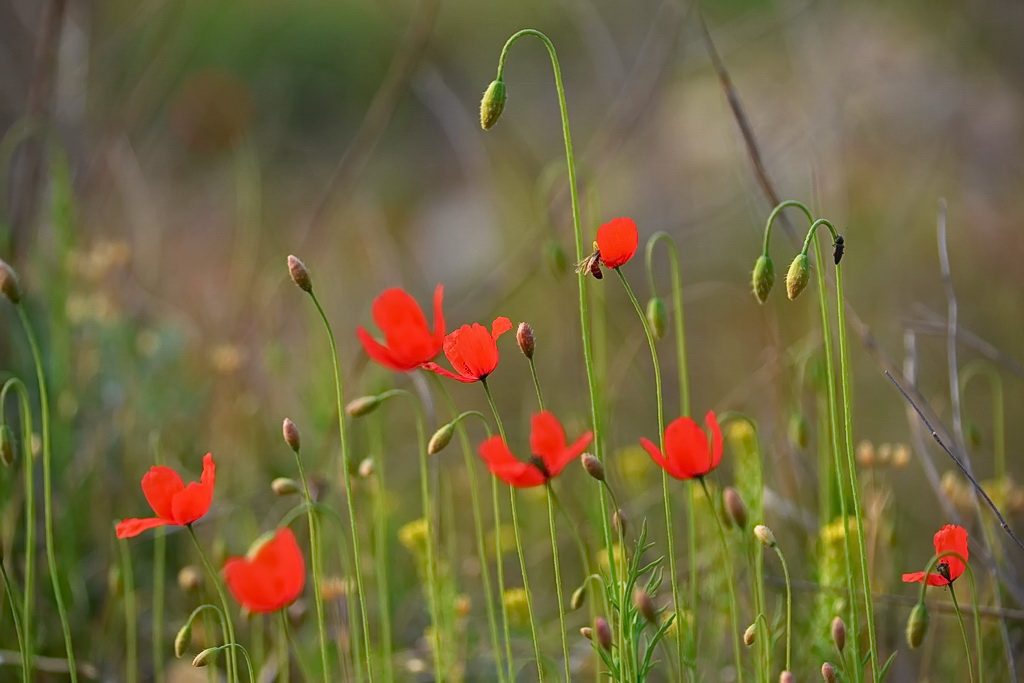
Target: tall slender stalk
(558, 584)
(730, 580)
(380, 552)
(26, 657)
(228, 624)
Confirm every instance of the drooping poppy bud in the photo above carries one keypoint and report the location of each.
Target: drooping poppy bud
(763, 277)
(284, 486)
(7, 449)
(526, 339)
(364, 405)
(300, 274)
(183, 639)
(799, 430)
(492, 103)
(656, 316)
(587, 632)
(441, 438)
(750, 635)
(917, 625)
(205, 658)
(578, 596)
(10, 286)
(798, 276)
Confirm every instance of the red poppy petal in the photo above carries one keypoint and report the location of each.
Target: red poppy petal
(952, 537)
(378, 352)
(547, 438)
(502, 464)
(617, 240)
(913, 577)
(711, 422)
(272, 579)
(160, 485)
(434, 367)
(500, 326)
(659, 458)
(395, 309)
(686, 447)
(439, 328)
(568, 454)
(129, 528)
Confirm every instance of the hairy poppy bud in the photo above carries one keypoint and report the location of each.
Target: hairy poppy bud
(798, 276)
(917, 625)
(644, 605)
(291, 435)
(300, 274)
(205, 658)
(10, 286)
(828, 672)
(587, 632)
(763, 277)
(750, 635)
(603, 633)
(787, 677)
(183, 639)
(364, 405)
(765, 535)
(441, 438)
(284, 486)
(593, 466)
(735, 507)
(799, 430)
(189, 578)
(492, 104)
(7, 450)
(656, 316)
(839, 633)
(526, 340)
(578, 596)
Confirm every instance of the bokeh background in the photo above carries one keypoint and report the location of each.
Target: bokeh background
(162, 158)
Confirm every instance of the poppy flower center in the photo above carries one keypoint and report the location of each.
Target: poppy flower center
(540, 465)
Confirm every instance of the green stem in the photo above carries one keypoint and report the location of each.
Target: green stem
(228, 623)
(558, 583)
(347, 484)
(283, 653)
(789, 608)
(51, 553)
(130, 613)
(26, 658)
(380, 551)
(974, 603)
(963, 632)
(775, 212)
(526, 583)
(727, 562)
(536, 384)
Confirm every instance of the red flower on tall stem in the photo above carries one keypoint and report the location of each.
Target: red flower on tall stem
(688, 452)
(409, 342)
(172, 501)
(550, 453)
(472, 350)
(271, 576)
(949, 537)
(617, 241)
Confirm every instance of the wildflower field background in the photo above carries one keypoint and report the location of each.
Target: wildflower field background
(191, 190)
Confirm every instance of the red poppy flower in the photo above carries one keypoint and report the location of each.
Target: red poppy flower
(409, 342)
(271, 576)
(472, 351)
(171, 500)
(617, 241)
(550, 453)
(688, 453)
(949, 537)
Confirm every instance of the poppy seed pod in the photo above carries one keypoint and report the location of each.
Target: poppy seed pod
(763, 277)
(798, 276)
(656, 316)
(603, 633)
(284, 486)
(441, 438)
(364, 405)
(593, 466)
(300, 274)
(526, 340)
(7, 450)
(291, 435)
(917, 625)
(183, 639)
(839, 633)
(828, 672)
(10, 286)
(492, 104)
(750, 635)
(765, 535)
(735, 507)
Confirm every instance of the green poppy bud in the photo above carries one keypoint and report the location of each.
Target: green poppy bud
(441, 438)
(763, 277)
(798, 275)
(578, 596)
(183, 639)
(10, 286)
(205, 658)
(656, 316)
(492, 104)
(364, 405)
(917, 625)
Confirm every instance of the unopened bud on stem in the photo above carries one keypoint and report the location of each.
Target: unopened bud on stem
(492, 104)
(735, 507)
(839, 633)
(644, 605)
(765, 535)
(300, 274)
(603, 633)
(917, 625)
(183, 639)
(441, 438)
(205, 658)
(291, 435)
(656, 316)
(763, 277)
(10, 286)
(364, 405)
(526, 339)
(578, 596)
(750, 635)
(828, 672)
(593, 466)
(7, 449)
(798, 275)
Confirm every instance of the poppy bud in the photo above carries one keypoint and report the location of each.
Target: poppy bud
(189, 578)
(578, 596)
(619, 521)
(644, 605)
(291, 435)
(798, 276)
(750, 635)
(364, 405)
(735, 507)
(10, 286)
(839, 633)
(587, 632)
(284, 486)
(763, 277)
(526, 340)
(300, 274)
(765, 535)
(656, 315)
(917, 625)
(593, 466)
(183, 639)
(7, 450)
(603, 633)
(366, 468)
(787, 677)
(441, 438)
(799, 431)
(492, 104)
(828, 672)
(205, 658)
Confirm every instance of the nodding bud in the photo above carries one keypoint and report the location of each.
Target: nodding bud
(798, 276)
(750, 635)
(10, 286)
(656, 316)
(284, 486)
(364, 405)
(799, 430)
(735, 507)
(578, 596)
(763, 277)
(189, 578)
(787, 677)
(205, 658)
(183, 639)
(367, 468)
(291, 435)
(526, 339)
(644, 605)
(441, 438)
(619, 521)
(300, 274)
(593, 466)
(603, 633)
(917, 625)
(492, 104)
(7, 450)
(765, 535)
(839, 633)
(828, 672)
(587, 632)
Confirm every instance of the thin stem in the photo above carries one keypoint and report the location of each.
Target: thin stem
(536, 384)
(347, 484)
(283, 651)
(974, 604)
(228, 624)
(26, 658)
(159, 589)
(51, 553)
(775, 212)
(963, 632)
(131, 648)
(526, 584)
(380, 551)
(727, 562)
(494, 410)
(28, 463)
(789, 608)
(558, 583)
(499, 559)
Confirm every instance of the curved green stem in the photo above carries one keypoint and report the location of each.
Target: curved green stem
(26, 658)
(245, 656)
(963, 632)
(789, 608)
(727, 562)
(51, 552)
(284, 668)
(228, 623)
(526, 583)
(347, 484)
(775, 212)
